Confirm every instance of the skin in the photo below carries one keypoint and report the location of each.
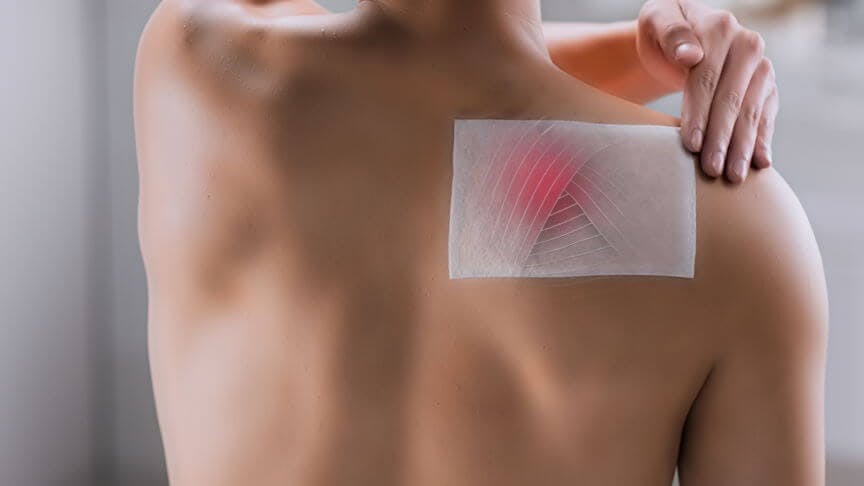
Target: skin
(730, 94)
(294, 222)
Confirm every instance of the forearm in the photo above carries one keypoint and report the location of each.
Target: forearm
(604, 56)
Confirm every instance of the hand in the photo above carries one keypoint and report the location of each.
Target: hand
(730, 96)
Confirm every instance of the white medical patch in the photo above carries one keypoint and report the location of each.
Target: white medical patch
(569, 199)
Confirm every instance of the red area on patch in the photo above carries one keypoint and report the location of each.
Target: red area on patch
(532, 181)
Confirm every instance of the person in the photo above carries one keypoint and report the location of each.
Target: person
(295, 174)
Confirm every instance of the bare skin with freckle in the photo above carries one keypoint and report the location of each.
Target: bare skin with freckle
(295, 192)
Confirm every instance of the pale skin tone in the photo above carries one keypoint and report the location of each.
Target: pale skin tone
(730, 94)
(295, 175)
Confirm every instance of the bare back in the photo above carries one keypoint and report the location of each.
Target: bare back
(294, 214)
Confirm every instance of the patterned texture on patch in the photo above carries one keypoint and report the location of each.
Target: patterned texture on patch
(565, 199)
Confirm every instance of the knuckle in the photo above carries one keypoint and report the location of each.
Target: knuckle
(750, 115)
(732, 99)
(723, 21)
(707, 79)
(751, 42)
(768, 67)
(759, 42)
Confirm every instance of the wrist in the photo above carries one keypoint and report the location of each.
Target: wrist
(635, 80)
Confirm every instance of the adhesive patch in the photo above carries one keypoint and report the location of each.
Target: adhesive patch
(550, 198)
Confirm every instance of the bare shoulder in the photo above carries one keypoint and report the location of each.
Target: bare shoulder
(243, 42)
(191, 18)
(758, 417)
(203, 69)
(757, 253)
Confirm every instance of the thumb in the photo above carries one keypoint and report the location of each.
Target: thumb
(676, 38)
(686, 53)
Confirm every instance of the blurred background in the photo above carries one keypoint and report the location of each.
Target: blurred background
(75, 397)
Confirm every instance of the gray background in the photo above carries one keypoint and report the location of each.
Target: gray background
(75, 398)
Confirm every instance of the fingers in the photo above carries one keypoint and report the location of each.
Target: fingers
(741, 62)
(744, 55)
(730, 97)
(665, 23)
(747, 126)
(703, 80)
(765, 138)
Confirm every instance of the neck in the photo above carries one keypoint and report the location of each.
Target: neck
(515, 22)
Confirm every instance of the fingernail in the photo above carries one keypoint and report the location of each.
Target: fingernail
(768, 157)
(716, 162)
(696, 140)
(684, 49)
(739, 170)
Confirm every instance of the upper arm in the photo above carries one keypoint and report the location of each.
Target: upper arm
(759, 416)
(201, 197)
